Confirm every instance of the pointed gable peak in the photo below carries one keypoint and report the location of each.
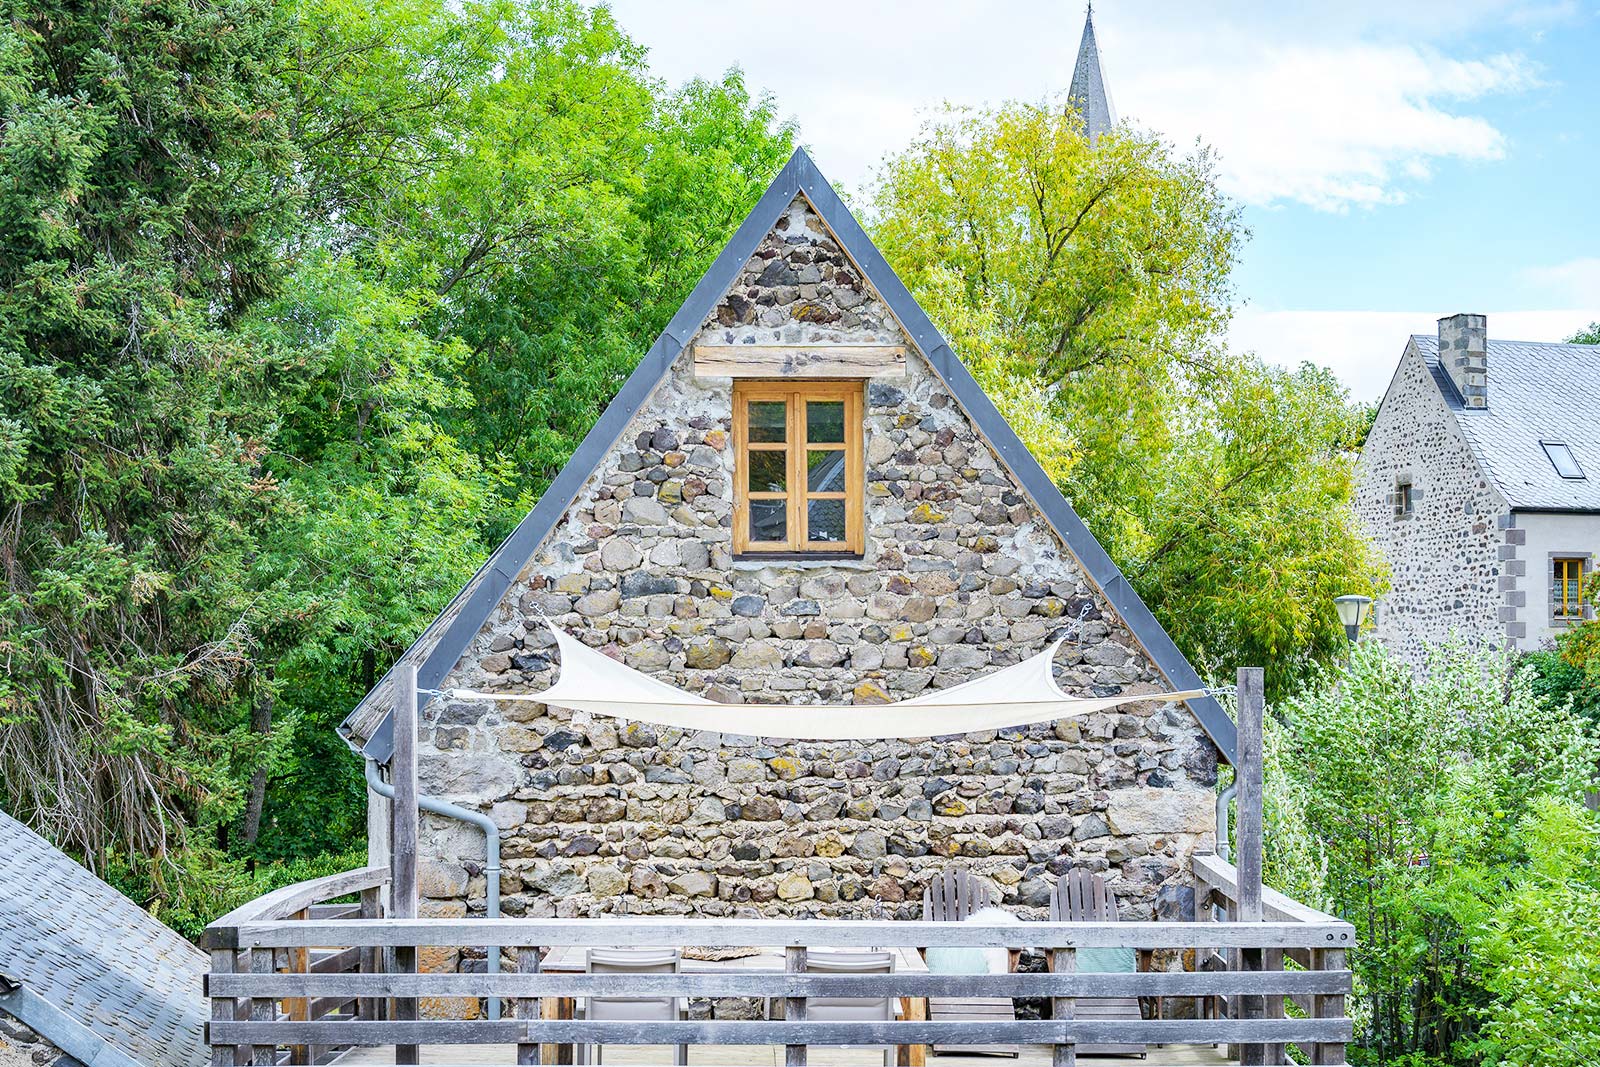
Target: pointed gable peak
(446, 639)
(1088, 90)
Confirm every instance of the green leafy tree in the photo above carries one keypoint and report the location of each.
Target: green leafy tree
(1590, 335)
(1540, 950)
(547, 201)
(382, 521)
(1088, 287)
(1431, 799)
(145, 185)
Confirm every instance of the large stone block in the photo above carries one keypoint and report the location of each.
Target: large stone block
(1161, 811)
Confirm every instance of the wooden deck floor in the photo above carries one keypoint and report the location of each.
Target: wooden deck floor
(772, 1056)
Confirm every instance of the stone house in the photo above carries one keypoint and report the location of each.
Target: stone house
(1480, 483)
(802, 495)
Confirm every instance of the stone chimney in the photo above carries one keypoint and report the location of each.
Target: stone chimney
(1464, 353)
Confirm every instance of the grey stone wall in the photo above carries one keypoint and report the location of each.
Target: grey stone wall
(960, 577)
(1539, 538)
(22, 1046)
(1452, 568)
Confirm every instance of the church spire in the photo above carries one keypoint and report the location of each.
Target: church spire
(1088, 91)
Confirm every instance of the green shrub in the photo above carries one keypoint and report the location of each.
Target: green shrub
(193, 887)
(1539, 946)
(1432, 802)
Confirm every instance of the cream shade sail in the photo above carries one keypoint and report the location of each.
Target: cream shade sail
(1019, 695)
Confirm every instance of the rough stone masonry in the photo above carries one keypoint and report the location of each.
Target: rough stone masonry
(960, 577)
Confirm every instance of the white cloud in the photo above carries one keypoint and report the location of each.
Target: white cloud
(1310, 103)
(1577, 280)
(1329, 120)
(1363, 347)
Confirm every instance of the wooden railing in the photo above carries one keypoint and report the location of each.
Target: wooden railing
(249, 951)
(299, 904)
(1217, 892)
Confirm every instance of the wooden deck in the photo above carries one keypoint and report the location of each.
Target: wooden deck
(772, 1056)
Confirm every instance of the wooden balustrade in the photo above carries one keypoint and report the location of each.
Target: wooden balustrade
(303, 902)
(239, 941)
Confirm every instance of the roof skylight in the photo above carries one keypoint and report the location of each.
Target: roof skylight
(1562, 459)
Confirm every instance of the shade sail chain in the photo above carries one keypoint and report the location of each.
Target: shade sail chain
(1020, 695)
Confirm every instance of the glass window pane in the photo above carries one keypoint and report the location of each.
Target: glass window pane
(768, 420)
(769, 520)
(769, 472)
(825, 470)
(825, 520)
(825, 421)
(1562, 459)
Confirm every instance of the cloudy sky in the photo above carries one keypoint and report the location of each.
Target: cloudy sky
(1396, 160)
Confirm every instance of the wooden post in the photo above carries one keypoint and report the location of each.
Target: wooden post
(370, 1009)
(403, 836)
(242, 1054)
(528, 1008)
(263, 1009)
(1252, 706)
(556, 1009)
(1064, 961)
(1328, 1005)
(222, 1008)
(1273, 961)
(794, 1008)
(299, 1008)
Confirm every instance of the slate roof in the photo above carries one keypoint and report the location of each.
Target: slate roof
(98, 961)
(1088, 89)
(1537, 392)
(442, 643)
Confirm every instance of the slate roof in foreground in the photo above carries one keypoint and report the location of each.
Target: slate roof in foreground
(1537, 392)
(100, 959)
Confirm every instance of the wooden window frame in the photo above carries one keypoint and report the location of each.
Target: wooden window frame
(1563, 610)
(795, 394)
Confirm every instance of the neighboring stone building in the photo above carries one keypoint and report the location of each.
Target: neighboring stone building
(1480, 484)
(908, 541)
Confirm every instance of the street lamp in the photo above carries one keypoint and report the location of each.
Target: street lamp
(1353, 608)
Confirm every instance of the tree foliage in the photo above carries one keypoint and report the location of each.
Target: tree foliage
(1447, 813)
(1088, 286)
(287, 293)
(145, 186)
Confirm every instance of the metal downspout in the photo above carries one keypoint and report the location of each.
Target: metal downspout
(1224, 798)
(1224, 849)
(491, 851)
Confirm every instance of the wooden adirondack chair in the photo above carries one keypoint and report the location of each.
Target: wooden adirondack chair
(1083, 897)
(951, 897)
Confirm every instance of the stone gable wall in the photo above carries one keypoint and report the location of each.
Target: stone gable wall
(1452, 562)
(961, 577)
(23, 1046)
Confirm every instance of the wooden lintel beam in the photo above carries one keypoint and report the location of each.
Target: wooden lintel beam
(799, 361)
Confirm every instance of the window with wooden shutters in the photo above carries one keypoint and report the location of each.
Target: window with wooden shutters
(798, 468)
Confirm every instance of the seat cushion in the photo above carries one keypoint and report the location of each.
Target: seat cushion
(957, 961)
(1106, 960)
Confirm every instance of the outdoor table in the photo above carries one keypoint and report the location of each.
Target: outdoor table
(572, 959)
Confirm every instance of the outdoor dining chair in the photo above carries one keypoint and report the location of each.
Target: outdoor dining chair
(852, 1009)
(952, 897)
(1083, 897)
(632, 1009)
